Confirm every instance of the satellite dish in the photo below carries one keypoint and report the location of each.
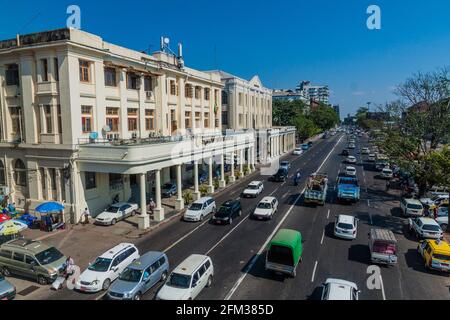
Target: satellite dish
(166, 41)
(106, 129)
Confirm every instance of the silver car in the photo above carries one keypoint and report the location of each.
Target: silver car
(140, 276)
(7, 290)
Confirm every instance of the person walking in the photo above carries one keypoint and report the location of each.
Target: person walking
(152, 206)
(86, 216)
(388, 185)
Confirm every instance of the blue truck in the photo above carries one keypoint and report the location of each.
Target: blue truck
(348, 189)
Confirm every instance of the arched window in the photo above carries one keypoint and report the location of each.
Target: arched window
(2, 174)
(20, 173)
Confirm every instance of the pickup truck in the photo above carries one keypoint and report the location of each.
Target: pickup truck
(383, 247)
(348, 189)
(316, 190)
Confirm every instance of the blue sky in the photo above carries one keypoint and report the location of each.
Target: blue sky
(282, 41)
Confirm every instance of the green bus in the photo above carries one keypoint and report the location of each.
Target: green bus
(284, 252)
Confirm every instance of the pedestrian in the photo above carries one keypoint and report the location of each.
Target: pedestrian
(69, 267)
(388, 185)
(152, 206)
(86, 215)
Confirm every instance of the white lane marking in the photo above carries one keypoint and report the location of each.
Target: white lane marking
(185, 236)
(314, 271)
(370, 214)
(328, 215)
(226, 236)
(382, 288)
(255, 258)
(323, 238)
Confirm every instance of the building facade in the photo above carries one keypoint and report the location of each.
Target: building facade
(318, 93)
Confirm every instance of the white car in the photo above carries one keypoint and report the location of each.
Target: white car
(351, 159)
(436, 200)
(253, 190)
(200, 209)
(372, 158)
(411, 207)
(107, 268)
(346, 227)
(352, 146)
(387, 173)
(350, 171)
(365, 151)
(298, 152)
(335, 289)
(116, 212)
(425, 228)
(188, 279)
(442, 218)
(266, 208)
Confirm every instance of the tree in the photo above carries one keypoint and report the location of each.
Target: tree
(305, 127)
(284, 112)
(324, 117)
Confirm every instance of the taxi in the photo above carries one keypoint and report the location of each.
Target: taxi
(436, 254)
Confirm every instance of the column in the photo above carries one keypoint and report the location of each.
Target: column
(159, 211)
(253, 159)
(249, 159)
(232, 176)
(241, 163)
(222, 182)
(210, 176)
(179, 203)
(144, 219)
(58, 186)
(48, 185)
(196, 194)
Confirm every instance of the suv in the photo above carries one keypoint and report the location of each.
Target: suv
(253, 190)
(227, 212)
(31, 259)
(425, 228)
(188, 279)
(140, 276)
(266, 208)
(335, 289)
(107, 268)
(280, 176)
(116, 212)
(411, 207)
(200, 209)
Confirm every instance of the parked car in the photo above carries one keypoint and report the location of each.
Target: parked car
(284, 252)
(352, 146)
(425, 228)
(280, 176)
(434, 201)
(107, 268)
(372, 158)
(351, 160)
(335, 289)
(365, 151)
(411, 207)
(345, 153)
(285, 165)
(435, 254)
(253, 190)
(346, 227)
(168, 190)
(438, 190)
(266, 208)
(297, 152)
(305, 147)
(115, 213)
(7, 290)
(442, 217)
(387, 174)
(188, 279)
(140, 276)
(227, 212)
(350, 171)
(200, 209)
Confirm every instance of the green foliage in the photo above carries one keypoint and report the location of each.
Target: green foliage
(284, 112)
(324, 117)
(187, 197)
(216, 183)
(203, 190)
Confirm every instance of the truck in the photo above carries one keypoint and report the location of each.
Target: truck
(383, 247)
(348, 189)
(316, 189)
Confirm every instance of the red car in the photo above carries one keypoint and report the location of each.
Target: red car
(4, 217)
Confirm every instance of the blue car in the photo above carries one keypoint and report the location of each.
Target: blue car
(305, 147)
(168, 190)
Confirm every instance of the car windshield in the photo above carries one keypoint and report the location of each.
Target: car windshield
(281, 172)
(346, 226)
(112, 209)
(253, 187)
(100, 265)
(441, 257)
(196, 207)
(285, 164)
(345, 181)
(431, 227)
(281, 255)
(264, 205)
(415, 206)
(49, 256)
(351, 170)
(167, 186)
(179, 281)
(443, 212)
(131, 275)
(223, 212)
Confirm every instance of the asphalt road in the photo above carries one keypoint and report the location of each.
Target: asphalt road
(238, 254)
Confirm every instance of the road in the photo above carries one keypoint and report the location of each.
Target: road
(238, 255)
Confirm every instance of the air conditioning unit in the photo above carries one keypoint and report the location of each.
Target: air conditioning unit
(149, 94)
(4, 191)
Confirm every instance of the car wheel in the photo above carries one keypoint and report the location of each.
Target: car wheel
(133, 213)
(106, 284)
(163, 276)
(201, 218)
(240, 213)
(209, 283)
(230, 221)
(137, 296)
(41, 280)
(6, 272)
(113, 222)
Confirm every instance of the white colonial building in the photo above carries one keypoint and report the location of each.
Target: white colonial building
(84, 121)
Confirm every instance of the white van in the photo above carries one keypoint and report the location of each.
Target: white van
(200, 209)
(411, 207)
(188, 279)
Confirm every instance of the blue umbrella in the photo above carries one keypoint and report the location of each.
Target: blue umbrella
(49, 207)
